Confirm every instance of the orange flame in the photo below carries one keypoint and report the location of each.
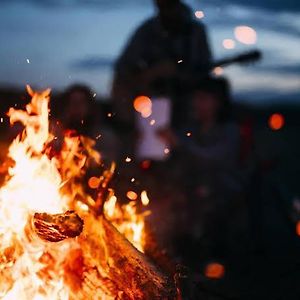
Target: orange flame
(36, 182)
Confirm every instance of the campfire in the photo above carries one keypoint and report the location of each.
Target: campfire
(56, 240)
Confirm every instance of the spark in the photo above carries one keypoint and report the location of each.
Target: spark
(180, 61)
(132, 179)
(188, 134)
(1, 120)
(167, 151)
(128, 159)
(98, 136)
(109, 115)
(152, 122)
(214, 270)
(94, 95)
(27, 60)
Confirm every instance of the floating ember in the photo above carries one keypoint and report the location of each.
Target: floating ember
(56, 240)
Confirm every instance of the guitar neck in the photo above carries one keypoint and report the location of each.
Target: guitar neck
(223, 62)
(247, 57)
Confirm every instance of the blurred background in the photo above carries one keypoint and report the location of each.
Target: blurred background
(72, 47)
(55, 43)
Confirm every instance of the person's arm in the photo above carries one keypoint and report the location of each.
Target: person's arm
(123, 88)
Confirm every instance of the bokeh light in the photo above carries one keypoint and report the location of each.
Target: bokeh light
(214, 270)
(131, 195)
(245, 35)
(298, 228)
(93, 182)
(276, 121)
(199, 14)
(218, 71)
(144, 198)
(143, 105)
(228, 43)
(146, 164)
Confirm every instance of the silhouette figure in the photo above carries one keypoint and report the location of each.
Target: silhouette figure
(164, 54)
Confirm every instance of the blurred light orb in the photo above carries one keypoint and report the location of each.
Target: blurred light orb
(214, 270)
(131, 195)
(228, 44)
(144, 198)
(298, 228)
(218, 71)
(143, 105)
(146, 164)
(276, 121)
(93, 182)
(199, 14)
(245, 35)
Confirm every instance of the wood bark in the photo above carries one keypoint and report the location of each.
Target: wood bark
(113, 258)
(57, 227)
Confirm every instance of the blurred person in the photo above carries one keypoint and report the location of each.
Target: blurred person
(209, 150)
(79, 111)
(163, 56)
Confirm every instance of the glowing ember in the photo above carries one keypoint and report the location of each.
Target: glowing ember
(214, 270)
(276, 121)
(94, 182)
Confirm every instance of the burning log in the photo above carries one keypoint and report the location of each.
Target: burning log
(107, 263)
(131, 271)
(57, 227)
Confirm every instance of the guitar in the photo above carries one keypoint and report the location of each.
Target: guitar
(247, 57)
(150, 145)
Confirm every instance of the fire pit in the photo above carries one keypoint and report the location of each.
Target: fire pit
(58, 242)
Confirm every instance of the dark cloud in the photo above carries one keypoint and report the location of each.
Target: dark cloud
(92, 63)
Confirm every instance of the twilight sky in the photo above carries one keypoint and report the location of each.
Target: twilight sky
(53, 43)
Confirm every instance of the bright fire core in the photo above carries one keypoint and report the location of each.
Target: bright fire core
(39, 182)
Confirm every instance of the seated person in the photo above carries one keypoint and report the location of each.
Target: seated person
(79, 111)
(208, 150)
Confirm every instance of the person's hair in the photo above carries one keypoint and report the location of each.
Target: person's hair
(78, 88)
(220, 88)
(166, 3)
